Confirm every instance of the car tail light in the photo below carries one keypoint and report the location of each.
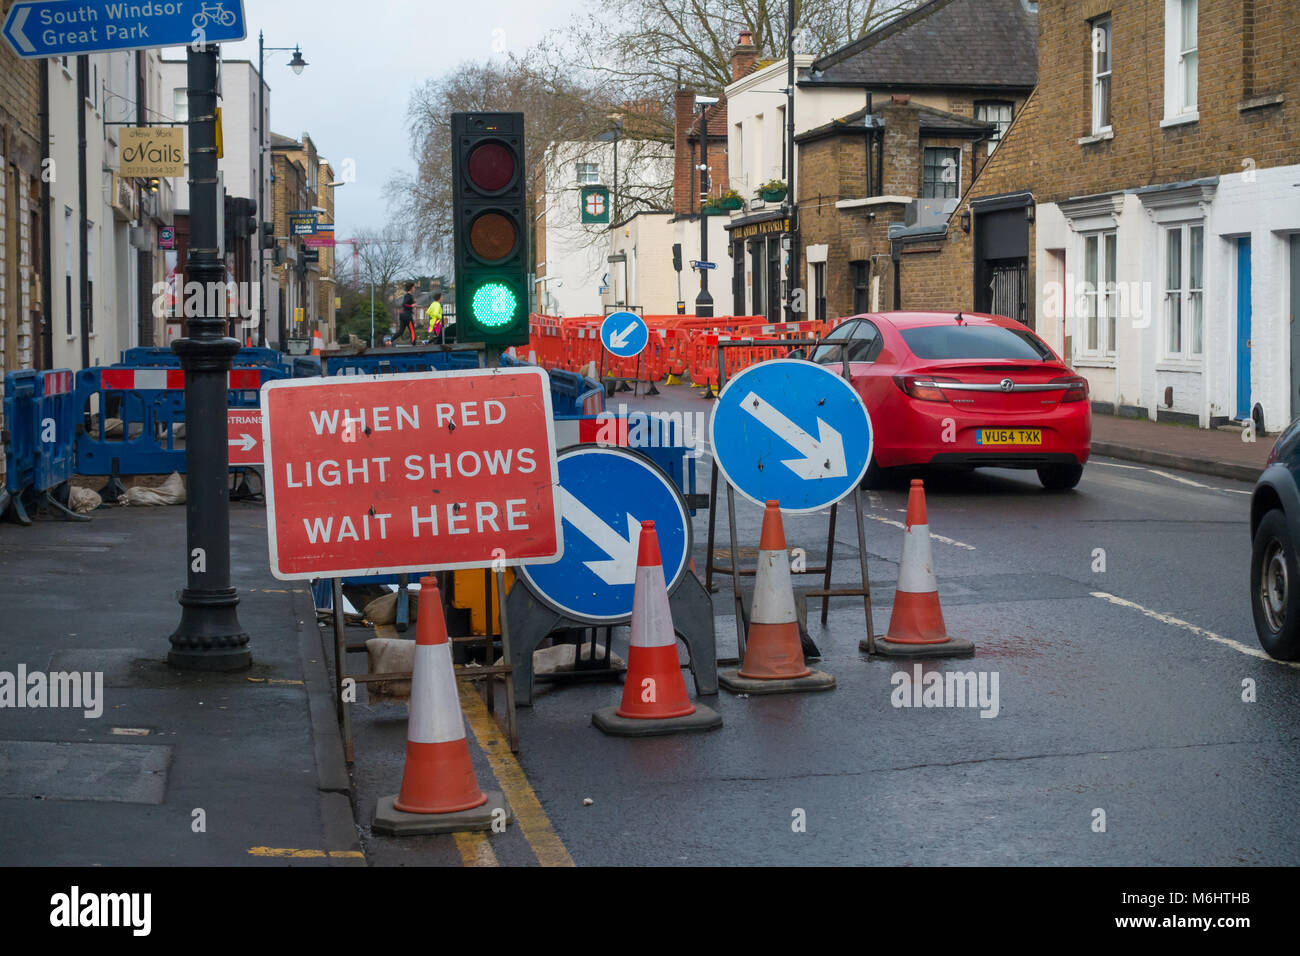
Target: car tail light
(928, 388)
(1076, 388)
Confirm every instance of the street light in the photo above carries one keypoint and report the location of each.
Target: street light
(296, 64)
(704, 301)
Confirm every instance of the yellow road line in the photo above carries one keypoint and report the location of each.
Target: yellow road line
(475, 850)
(529, 815)
(305, 854)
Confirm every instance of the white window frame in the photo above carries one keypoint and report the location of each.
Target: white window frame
(1182, 68)
(1182, 297)
(592, 168)
(1099, 45)
(1000, 105)
(1098, 299)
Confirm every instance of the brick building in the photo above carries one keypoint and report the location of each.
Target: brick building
(20, 217)
(1152, 180)
(942, 85)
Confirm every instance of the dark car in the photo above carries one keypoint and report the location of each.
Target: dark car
(1275, 536)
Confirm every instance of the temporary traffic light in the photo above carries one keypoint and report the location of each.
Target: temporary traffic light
(490, 227)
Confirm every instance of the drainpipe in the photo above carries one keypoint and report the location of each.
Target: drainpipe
(47, 257)
(83, 93)
(898, 291)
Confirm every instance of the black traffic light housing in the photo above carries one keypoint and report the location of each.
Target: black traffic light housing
(268, 235)
(490, 227)
(241, 218)
(677, 256)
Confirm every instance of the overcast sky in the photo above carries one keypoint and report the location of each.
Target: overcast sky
(364, 60)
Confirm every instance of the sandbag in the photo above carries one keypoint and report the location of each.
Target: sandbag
(83, 500)
(389, 655)
(170, 492)
(383, 609)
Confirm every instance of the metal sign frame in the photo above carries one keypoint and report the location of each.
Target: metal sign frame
(734, 571)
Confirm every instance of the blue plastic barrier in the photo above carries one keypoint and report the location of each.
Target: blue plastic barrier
(165, 358)
(40, 434)
(395, 361)
(20, 431)
(657, 436)
(151, 403)
(56, 422)
(571, 394)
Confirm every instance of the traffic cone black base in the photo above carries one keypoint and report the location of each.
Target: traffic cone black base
(704, 718)
(730, 679)
(394, 822)
(953, 647)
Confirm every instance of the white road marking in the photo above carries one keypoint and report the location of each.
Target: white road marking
(1186, 626)
(936, 537)
(1165, 474)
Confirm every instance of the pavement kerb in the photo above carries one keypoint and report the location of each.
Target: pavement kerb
(333, 781)
(1200, 466)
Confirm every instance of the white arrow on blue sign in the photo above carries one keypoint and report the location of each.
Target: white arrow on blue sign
(624, 334)
(605, 494)
(792, 432)
(41, 28)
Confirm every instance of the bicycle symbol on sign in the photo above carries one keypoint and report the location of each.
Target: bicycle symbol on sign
(215, 12)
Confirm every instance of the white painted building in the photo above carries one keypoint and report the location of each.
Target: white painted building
(574, 274)
(120, 215)
(1199, 327)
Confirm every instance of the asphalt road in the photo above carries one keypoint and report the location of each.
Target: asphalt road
(1120, 692)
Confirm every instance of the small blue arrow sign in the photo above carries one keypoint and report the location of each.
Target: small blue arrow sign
(42, 28)
(624, 334)
(605, 494)
(792, 432)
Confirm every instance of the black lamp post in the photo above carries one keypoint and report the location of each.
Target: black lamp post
(297, 64)
(209, 636)
(704, 301)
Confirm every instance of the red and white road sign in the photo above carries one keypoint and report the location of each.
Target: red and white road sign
(244, 435)
(381, 474)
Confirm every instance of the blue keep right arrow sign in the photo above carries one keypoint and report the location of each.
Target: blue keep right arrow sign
(792, 432)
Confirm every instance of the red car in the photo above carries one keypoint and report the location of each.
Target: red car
(964, 390)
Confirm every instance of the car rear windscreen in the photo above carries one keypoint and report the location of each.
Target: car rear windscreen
(974, 342)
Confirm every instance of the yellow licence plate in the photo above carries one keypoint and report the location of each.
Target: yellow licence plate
(1009, 436)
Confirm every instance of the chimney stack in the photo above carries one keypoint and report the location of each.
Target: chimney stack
(743, 56)
(683, 116)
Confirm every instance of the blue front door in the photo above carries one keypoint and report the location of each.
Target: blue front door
(1243, 328)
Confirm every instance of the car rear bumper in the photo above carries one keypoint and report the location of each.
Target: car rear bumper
(923, 433)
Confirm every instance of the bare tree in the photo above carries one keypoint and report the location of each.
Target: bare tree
(653, 46)
(557, 108)
(387, 256)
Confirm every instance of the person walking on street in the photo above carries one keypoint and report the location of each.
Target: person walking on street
(407, 313)
(434, 312)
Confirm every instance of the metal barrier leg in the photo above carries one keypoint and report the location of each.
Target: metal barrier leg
(533, 622)
(19, 509)
(115, 489)
(692, 612)
(62, 509)
(403, 603)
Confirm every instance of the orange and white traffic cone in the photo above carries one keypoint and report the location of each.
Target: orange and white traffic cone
(317, 343)
(774, 661)
(654, 694)
(916, 627)
(439, 791)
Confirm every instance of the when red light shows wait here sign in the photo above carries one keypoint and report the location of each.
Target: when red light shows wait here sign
(382, 474)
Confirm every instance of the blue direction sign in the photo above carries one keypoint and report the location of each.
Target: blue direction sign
(605, 494)
(793, 432)
(703, 265)
(624, 334)
(40, 28)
